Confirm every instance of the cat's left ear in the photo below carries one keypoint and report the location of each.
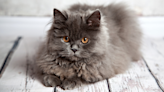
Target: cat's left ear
(58, 16)
(94, 19)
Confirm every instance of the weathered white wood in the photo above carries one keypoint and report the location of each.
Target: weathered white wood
(136, 79)
(14, 76)
(5, 46)
(153, 53)
(33, 84)
(17, 76)
(97, 87)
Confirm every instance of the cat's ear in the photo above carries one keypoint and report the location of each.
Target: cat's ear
(94, 19)
(58, 16)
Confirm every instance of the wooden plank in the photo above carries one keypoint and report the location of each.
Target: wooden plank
(97, 87)
(16, 77)
(136, 79)
(33, 84)
(153, 53)
(5, 46)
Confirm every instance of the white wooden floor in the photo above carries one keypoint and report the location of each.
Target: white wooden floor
(19, 74)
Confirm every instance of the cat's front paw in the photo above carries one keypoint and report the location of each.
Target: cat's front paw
(91, 75)
(68, 84)
(90, 78)
(51, 81)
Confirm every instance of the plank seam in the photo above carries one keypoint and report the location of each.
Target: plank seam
(27, 67)
(157, 81)
(108, 85)
(9, 55)
(54, 89)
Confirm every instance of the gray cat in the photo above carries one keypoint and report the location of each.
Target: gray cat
(87, 44)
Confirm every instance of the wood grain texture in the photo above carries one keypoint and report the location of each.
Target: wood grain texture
(97, 87)
(33, 79)
(153, 53)
(5, 46)
(14, 76)
(136, 79)
(19, 76)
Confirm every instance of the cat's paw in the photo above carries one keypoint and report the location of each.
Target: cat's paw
(91, 75)
(51, 81)
(90, 78)
(68, 84)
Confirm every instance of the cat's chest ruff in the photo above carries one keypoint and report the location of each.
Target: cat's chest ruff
(68, 69)
(76, 65)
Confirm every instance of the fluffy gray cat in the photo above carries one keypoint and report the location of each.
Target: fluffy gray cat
(87, 44)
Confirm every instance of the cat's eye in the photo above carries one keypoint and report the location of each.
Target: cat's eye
(66, 39)
(84, 40)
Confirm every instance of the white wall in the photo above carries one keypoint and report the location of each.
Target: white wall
(45, 7)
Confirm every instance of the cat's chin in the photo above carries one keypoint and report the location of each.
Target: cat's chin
(73, 58)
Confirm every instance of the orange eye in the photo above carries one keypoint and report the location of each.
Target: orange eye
(66, 39)
(84, 40)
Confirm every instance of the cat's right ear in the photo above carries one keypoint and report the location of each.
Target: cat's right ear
(94, 19)
(58, 16)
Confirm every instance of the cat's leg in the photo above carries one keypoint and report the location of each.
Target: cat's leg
(68, 84)
(51, 80)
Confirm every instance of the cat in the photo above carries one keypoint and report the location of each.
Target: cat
(87, 44)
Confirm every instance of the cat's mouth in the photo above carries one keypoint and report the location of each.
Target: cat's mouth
(71, 58)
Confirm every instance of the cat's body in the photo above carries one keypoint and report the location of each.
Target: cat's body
(113, 41)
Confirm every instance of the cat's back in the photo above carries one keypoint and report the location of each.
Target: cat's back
(110, 11)
(115, 15)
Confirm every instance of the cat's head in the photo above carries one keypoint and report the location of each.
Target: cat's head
(75, 36)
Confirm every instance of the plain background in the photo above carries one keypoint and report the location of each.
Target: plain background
(30, 17)
(45, 7)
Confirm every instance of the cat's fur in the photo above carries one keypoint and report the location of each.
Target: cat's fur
(114, 41)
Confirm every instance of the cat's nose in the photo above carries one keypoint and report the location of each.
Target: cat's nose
(74, 50)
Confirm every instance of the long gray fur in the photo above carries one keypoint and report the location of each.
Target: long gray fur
(114, 41)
